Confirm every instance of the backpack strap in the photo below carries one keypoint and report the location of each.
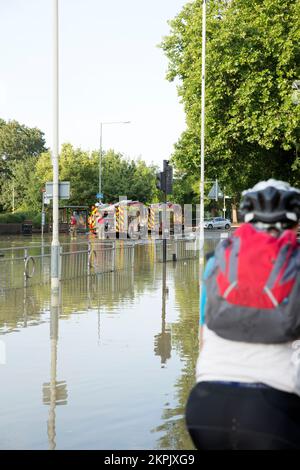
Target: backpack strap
(230, 269)
(293, 266)
(280, 261)
(233, 260)
(220, 259)
(288, 257)
(233, 265)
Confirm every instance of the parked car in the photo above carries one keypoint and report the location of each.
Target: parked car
(217, 222)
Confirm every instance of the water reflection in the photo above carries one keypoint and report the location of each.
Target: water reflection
(123, 348)
(54, 392)
(162, 341)
(184, 339)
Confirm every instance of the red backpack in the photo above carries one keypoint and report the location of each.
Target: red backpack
(253, 290)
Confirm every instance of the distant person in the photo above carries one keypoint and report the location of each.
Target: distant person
(73, 225)
(247, 394)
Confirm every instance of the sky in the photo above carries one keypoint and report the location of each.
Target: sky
(110, 70)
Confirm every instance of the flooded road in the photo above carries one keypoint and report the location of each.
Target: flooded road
(107, 364)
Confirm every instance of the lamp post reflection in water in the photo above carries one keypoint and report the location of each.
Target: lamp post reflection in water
(54, 393)
(162, 341)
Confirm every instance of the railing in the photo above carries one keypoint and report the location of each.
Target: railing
(26, 266)
(18, 265)
(177, 250)
(31, 265)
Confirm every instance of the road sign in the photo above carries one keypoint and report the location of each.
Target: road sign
(63, 190)
(99, 196)
(215, 192)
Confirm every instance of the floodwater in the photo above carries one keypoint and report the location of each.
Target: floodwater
(106, 364)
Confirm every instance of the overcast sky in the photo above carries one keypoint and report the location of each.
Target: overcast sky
(110, 70)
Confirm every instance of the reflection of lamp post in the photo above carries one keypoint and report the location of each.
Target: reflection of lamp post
(54, 393)
(100, 152)
(162, 341)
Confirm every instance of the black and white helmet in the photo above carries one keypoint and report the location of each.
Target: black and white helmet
(271, 202)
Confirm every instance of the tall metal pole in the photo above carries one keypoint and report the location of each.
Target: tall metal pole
(55, 247)
(43, 213)
(202, 132)
(13, 198)
(100, 149)
(164, 224)
(100, 160)
(201, 234)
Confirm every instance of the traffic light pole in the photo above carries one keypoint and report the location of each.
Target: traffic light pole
(164, 227)
(165, 210)
(164, 182)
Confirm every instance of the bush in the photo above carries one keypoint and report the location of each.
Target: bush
(37, 220)
(11, 218)
(16, 218)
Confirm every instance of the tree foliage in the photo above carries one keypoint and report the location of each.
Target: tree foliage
(253, 57)
(120, 177)
(17, 142)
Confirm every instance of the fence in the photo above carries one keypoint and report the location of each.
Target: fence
(19, 265)
(26, 266)
(177, 250)
(31, 265)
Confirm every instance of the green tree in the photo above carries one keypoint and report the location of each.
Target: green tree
(120, 176)
(78, 167)
(253, 57)
(125, 177)
(17, 142)
(20, 147)
(24, 185)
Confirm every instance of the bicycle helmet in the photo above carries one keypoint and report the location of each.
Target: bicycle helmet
(272, 202)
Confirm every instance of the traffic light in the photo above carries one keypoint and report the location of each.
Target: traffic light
(169, 180)
(164, 179)
(160, 181)
(168, 171)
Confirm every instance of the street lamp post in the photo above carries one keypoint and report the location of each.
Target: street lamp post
(100, 150)
(296, 102)
(202, 134)
(55, 247)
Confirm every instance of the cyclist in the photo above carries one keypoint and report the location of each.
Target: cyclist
(247, 394)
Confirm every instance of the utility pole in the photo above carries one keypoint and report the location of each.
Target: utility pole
(100, 161)
(164, 182)
(43, 211)
(201, 255)
(101, 152)
(165, 214)
(55, 246)
(13, 198)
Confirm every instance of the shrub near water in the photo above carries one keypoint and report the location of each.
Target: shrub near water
(16, 218)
